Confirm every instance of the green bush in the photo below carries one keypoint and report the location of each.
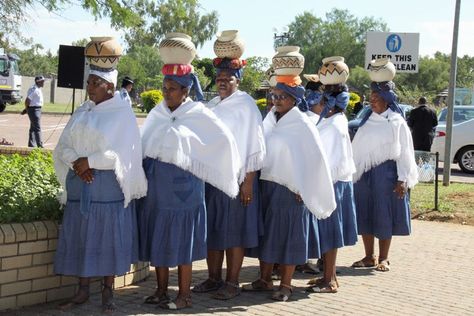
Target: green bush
(353, 99)
(28, 188)
(262, 104)
(151, 98)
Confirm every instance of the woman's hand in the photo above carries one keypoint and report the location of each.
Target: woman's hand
(82, 169)
(246, 189)
(298, 197)
(400, 189)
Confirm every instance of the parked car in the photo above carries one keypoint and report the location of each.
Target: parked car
(354, 123)
(462, 142)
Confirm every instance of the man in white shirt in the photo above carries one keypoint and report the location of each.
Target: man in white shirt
(127, 86)
(33, 105)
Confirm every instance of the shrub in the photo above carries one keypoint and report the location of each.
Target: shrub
(28, 188)
(151, 98)
(262, 104)
(353, 99)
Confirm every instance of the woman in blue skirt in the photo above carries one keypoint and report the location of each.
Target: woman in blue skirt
(101, 177)
(295, 189)
(232, 223)
(339, 229)
(185, 145)
(386, 169)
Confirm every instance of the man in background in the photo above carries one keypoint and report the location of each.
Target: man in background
(127, 86)
(33, 105)
(422, 122)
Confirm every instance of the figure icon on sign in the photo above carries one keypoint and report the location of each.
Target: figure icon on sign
(394, 43)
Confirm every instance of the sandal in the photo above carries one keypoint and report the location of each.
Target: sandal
(78, 299)
(315, 281)
(208, 286)
(323, 287)
(108, 305)
(283, 294)
(227, 291)
(307, 268)
(258, 286)
(383, 266)
(157, 299)
(365, 262)
(178, 303)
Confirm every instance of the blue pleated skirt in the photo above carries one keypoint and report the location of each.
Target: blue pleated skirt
(229, 224)
(339, 229)
(290, 234)
(379, 211)
(172, 217)
(98, 236)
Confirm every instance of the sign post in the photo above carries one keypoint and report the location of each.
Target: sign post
(401, 48)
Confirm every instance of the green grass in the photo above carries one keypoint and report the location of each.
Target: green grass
(454, 201)
(57, 108)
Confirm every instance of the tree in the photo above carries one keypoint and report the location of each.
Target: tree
(254, 73)
(144, 65)
(340, 33)
(167, 16)
(33, 63)
(14, 12)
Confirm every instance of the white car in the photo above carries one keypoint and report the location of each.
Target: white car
(462, 143)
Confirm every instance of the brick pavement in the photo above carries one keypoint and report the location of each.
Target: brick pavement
(431, 275)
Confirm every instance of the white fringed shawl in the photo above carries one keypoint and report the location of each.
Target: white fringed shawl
(337, 146)
(241, 115)
(194, 139)
(385, 137)
(104, 132)
(295, 159)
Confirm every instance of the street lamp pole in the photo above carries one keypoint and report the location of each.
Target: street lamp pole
(452, 85)
(280, 38)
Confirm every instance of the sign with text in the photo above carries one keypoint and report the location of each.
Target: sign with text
(402, 48)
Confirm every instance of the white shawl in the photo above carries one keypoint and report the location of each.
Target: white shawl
(241, 115)
(107, 134)
(194, 139)
(385, 137)
(296, 160)
(313, 117)
(337, 146)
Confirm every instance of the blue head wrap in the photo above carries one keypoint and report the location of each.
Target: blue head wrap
(232, 66)
(297, 93)
(385, 90)
(340, 100)
(188, 81)
(314, 97)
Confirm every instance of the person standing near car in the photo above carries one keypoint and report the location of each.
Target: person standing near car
(422, 122)
(33, 105)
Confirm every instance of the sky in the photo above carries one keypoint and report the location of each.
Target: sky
(256, 19)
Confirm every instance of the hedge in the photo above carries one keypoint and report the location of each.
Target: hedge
(28, 188)
(151, 98)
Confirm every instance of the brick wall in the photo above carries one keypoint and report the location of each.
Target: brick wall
(26, 267)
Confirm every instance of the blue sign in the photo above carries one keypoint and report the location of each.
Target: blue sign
(393, 43)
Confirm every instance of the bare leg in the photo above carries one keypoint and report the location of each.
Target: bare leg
(162, 277)
(234, 259)
(108, 305)
(286, 273)
(368, 245)
(266, 271)
(81, 296)
(184, 280)
(384, 247)
(215, 258)
(329, 262)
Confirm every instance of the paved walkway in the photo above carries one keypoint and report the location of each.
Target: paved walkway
(432, 274)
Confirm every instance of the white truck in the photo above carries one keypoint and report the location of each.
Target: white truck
(10, 79)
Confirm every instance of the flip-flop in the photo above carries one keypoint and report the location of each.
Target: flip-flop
(155, 300)
(176, 303)
(208, 286)
(283, 294)
(330, 287)
(228, 291)
(259, 285)
(362, 264)
(383, 266)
